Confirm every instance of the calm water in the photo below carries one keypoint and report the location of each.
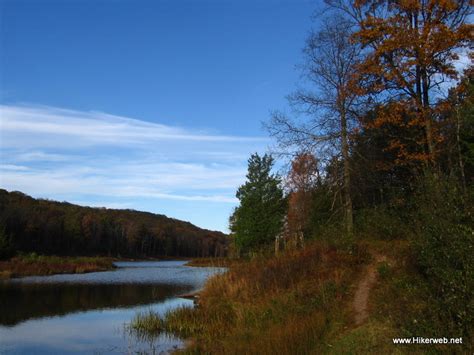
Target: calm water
(86, 313)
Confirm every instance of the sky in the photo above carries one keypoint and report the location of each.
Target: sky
(149, 105)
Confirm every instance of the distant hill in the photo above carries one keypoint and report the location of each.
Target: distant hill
(61, 228)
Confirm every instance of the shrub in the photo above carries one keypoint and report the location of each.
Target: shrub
(381, 223)
(445, 252)
(383, 270)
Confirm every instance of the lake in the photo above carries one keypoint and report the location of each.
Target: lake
(86, 313)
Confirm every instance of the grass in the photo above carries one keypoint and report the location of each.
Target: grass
(403, 297)
(401, 305)
(146, 322)
(301, 303)
(33, 264)
(282, 304)
(212, 262)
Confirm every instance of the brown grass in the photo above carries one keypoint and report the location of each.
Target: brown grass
(302, 302)
(282, 304)
(213, 262)
(32, 264)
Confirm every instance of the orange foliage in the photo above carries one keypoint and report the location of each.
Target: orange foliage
(414, 44)
(301, 179)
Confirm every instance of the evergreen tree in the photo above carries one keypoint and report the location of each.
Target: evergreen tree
(6, 249)
(259, 218)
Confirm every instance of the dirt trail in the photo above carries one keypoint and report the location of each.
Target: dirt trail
(361, 297)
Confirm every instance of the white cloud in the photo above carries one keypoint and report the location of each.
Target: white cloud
(93, 128)
(107, 160)
(41, 156)
(13, 167)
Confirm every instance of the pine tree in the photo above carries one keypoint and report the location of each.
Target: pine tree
(259, 218)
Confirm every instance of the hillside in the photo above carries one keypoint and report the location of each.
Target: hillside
(61, 228)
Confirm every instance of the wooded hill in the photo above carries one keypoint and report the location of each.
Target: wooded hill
(61, 228)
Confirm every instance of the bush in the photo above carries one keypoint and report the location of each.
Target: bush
(445, 252)
(383, 270)
(382, 223)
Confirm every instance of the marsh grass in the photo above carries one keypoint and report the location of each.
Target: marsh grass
(281, 304)
(33, 264)
(148, 325)
(145, 326)
(212, 262)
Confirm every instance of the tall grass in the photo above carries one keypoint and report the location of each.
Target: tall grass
(281, 304)
(33, 264)
(211, 262)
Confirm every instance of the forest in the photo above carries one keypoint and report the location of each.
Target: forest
(60, 228)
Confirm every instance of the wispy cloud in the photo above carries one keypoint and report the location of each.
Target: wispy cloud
(110, 160)
(11, 167)
(40, 156)
(96, 128)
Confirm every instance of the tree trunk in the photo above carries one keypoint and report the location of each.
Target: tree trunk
(347, 175)
(458, 143)
(427, 117)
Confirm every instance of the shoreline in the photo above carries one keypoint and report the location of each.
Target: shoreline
(41, 265)
(211, 262)
(46, 265)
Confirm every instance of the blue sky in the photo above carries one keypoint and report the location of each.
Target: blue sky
(150, 105)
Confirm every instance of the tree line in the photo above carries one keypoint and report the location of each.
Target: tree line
(61, 228)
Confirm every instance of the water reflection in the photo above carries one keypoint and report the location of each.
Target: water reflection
(99, 332)
(20, 301)
(86, 313)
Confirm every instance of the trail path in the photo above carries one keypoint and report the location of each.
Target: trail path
(361, 297)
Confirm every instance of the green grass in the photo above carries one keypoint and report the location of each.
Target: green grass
(147, 322)
(403, 297)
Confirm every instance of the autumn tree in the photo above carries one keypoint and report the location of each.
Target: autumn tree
(327, 105)
(411, 47)
(302, 180)
(259, 217)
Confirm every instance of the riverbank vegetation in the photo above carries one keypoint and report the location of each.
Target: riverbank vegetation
(369, 233)
(303, 301)
(268, 304)
(212, 262)
(39, 265)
